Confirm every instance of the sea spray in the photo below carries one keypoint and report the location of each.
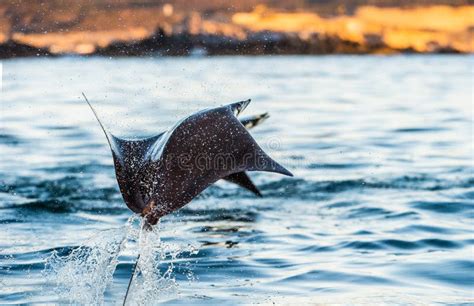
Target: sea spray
(154, 278)
(84, 274)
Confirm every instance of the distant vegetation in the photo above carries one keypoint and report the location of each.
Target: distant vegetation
(183, 27)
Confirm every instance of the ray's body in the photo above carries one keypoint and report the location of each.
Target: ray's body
(162, 173)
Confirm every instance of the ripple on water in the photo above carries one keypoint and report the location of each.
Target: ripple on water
(450, 207)
(419, 130)
(401, 245)
(452, 272)
(322, 276)
(10, 140)
(307, 189)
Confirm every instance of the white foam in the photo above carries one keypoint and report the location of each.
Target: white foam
(84, 275)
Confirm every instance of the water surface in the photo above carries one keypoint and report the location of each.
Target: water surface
(380, 209)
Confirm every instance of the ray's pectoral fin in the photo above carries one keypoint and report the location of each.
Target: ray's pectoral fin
(256, 159)
(260, 161)
(251, 121)
(135, 148)
(243, 180)
(238, 107)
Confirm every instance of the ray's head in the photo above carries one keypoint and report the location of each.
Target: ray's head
(132, 172)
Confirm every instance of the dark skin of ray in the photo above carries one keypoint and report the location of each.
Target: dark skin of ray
(161, 174)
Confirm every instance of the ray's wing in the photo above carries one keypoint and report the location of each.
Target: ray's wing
(219, 138)
(136, 148)
(242, 178)
(252, 121)
(129, 162)
(123, 149)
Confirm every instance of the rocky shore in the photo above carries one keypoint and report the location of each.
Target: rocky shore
(262, 31)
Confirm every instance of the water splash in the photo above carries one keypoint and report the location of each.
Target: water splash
(83, 275)
(155, 279)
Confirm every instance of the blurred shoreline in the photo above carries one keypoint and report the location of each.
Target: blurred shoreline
(164, 30)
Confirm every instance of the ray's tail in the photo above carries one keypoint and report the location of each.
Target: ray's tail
(131, 280)
(98, 120)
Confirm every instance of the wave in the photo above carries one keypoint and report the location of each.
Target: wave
(402, 245)
(73, 193)
(10, 140)
(309, 189)
(444, 207)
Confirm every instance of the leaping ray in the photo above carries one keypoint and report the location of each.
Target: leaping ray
(160, 174)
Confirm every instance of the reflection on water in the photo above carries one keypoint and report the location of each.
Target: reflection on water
(379, 211)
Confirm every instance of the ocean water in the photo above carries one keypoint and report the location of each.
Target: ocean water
(380, 210)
